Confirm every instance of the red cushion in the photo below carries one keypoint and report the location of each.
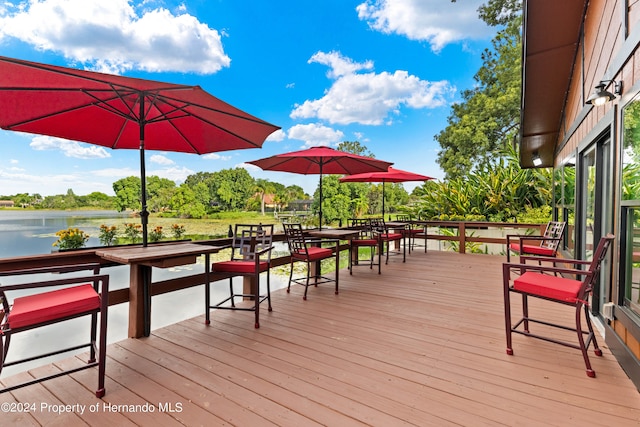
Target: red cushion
(532, 249)
(315, 254)
(548, 286)
(239, 266)
(39, 308)
(391, 236)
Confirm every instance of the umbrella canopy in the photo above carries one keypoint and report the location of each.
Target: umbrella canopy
(391, 175)
(122, 112)
(321, 160)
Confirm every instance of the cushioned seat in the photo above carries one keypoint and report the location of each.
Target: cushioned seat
(555, 284)
(367, 238)
(73, 297)
(311, 252)
(532, 249)
(240, 266)
(53, 305)
(251, 246)
(546, 286)
(314, 254)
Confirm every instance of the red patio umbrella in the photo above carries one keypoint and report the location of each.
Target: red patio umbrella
(321, 160)
(122, 112)
(391, 175)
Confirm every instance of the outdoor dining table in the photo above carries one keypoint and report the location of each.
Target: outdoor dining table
(141, 259)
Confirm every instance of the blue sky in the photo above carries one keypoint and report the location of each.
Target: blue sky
(382, 72)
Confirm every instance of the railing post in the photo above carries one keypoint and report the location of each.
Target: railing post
(462, 237)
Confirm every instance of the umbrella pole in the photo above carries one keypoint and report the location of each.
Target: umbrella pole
(320, 211)
(383, 200)
(144, 214)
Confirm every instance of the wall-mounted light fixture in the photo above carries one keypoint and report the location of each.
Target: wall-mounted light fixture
(537, 161)
(601, 96)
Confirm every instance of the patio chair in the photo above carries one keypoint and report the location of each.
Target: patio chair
(310, 252)
(36, 305)
(367, 238)
(537, 281)
(548, 244)
(251, 247)
(386, 237)
(413, 229)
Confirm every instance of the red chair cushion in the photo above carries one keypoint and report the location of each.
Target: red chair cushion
(240, 267)
(547, 286)
(46, 306)
(532, 249)
(391, 236)
(364, 242)
(315, 254)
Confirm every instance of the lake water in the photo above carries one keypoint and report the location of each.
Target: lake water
(33, 232)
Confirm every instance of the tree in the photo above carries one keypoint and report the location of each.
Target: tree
(354, 147)
(157, 191)
(487, 119)
(263, 188)
(127, 193)
(232, 188)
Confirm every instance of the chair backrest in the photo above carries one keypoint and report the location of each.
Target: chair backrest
(595, 266)
(403, 217)
(554, 232)
(251, 239)
(364, 227)
(295, 238)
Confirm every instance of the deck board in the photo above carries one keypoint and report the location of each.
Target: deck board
(421, 344)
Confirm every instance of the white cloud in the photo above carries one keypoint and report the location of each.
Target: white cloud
(438, 22)
(161, 160)
(277, 136)
(338, 64)
(370, 98)
(315, 134)
(215, 156)
(69, 148)
(49, 184)
(176, 174)
(13, 161)
(111, 36)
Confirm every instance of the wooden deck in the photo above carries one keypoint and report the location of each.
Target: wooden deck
(422, 344)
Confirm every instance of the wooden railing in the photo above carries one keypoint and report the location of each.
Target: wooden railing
(121, 295)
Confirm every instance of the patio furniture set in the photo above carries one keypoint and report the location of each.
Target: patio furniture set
(540, 273)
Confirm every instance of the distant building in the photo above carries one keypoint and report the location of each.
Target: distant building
(6, 204)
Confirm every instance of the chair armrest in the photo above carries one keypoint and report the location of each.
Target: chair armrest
(58, 269)
(554, 260)
(508, 267)
(263, 251)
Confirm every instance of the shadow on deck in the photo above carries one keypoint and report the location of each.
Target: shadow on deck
(421, 344)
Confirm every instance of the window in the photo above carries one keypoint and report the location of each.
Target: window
(630, 195)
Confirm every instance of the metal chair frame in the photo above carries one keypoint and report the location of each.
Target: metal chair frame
(309, 251)
(379, 226)
(251, 248)
(548, 245)
(99, 283)
(367, 237)
(543, 282)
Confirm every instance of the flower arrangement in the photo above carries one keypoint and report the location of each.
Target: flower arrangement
(133, 231)
(178, 231)
(156, 234)
(71, 238)
(107, 234)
